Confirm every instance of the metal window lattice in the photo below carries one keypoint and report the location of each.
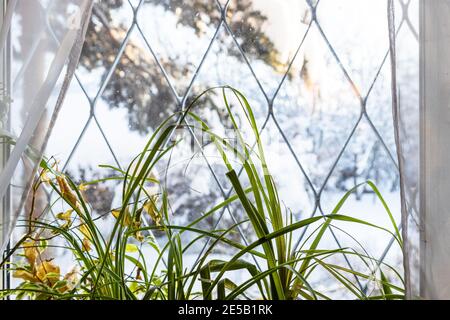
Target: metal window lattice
(404, 21)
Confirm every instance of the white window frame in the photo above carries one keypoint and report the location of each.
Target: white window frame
(435, 149)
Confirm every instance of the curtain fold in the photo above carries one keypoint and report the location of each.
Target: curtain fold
(48, 38)
(406, 116)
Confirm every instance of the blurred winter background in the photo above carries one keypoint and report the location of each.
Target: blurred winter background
(320, 90)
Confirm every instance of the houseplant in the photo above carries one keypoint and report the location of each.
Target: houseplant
(115, 266)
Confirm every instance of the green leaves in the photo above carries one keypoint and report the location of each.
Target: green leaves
(115, 265)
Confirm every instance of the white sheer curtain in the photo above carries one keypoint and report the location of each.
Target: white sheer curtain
(406, 114)
(46, 39)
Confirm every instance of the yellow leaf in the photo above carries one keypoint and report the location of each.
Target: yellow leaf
(44, 176)
(127, 218)
(133, 286)
(85, 231)
(139, 237)
(86, 244)
(47, 271)
(25, 275)
(66, 191)
(152, 211)
(131, 248)
(116, 213)
(30, 251)
(67, 216)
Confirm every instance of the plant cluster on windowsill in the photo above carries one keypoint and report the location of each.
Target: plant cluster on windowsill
(103, 260)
